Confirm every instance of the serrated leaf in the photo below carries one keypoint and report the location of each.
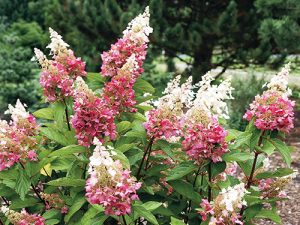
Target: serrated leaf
(67, 182)
(232, 135)
(181, 170)
(68, 150)
(242, 139)
(125, 147)
(236, 156)
(52, 213)
(186, 189)
(151, 205)
(45, 113)
(269, 215)
(175, 221)
(283, 150)
(267, 147)
(123, 159)
(52, 221)
(77, 204)
(142, 212)
(123, 127)
(142, 86)
(55, 135)
(27, 202)
(254, 138)
(22, 184)
(281, 172)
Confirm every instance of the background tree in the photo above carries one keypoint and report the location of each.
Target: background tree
(18, 75)
(211, 33)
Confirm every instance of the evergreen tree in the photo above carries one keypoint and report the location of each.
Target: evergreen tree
(212, 33)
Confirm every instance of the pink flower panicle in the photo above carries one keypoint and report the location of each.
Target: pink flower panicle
(273, 110)
(23, 217)
(59, 73)
(118, 93)
(109, 184)
(159, 125)
(134, 41)
(123, 63)
(205, 142)
(92, 117)
(18, 137)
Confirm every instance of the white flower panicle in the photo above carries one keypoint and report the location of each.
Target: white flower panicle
(57, 44)
(279, 82)
(4, 209)
(232, 198)
(17, 112)
(177, 97)
(211, 98)
(41, 58)
(103, 158)
(131, 65)
(139, 28)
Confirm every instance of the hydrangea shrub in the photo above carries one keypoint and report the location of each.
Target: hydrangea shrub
(106, 151)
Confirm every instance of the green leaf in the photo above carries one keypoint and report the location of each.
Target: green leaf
(143, 212)
(55, 135)
(52, 213)
(94, 80)
(186, 189)
(232, 135)
(123, 159)
(181, 170)
(175, 221)
(254, 138)
(136, 134)
(242, 139)
(123, 126)
(125, 147)
(267, 147)
(52, 221)
(68, 150)
(142, 86)
(77, 204)
(90, 214)
(236, 156)
(218, 168)
(22, 184)
(283, 149)
(45, 113)
(281, 172)
(269, 215)
(67, 182)
(27, 202)
(151, 205)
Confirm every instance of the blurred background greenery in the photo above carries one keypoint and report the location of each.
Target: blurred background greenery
(244, 38)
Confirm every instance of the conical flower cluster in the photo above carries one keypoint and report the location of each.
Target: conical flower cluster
(109, 184)
(273, 110)
(17, 138)
(59, 73)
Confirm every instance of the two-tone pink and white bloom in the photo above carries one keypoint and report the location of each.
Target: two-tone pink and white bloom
(225, 209)
(110, 185)
(273, 110)
(18, 142)
(59, 73)
(92, 116)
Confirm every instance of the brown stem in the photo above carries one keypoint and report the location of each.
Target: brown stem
(250, 180)
(144, 157)
(194, 183)
(34, 189)
(209, 186)
(124, 220)
(67, 114)
(5, 201)
(1, 222)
